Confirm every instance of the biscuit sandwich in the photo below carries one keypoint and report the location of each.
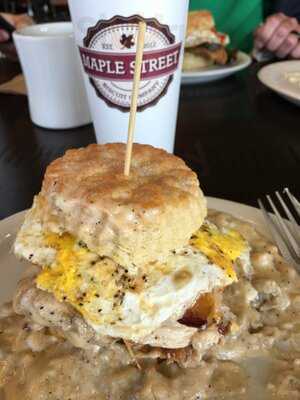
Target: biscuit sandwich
(204, 45)
(133, 257)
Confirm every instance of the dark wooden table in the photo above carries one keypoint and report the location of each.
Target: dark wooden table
(241, 139)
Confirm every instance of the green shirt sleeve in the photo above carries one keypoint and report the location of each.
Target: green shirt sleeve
(237, 18)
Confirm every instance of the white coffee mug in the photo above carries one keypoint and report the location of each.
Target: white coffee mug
(53, 75)
(106, 34)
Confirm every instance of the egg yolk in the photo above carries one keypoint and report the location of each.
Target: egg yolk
(220, 248)
(79, 276)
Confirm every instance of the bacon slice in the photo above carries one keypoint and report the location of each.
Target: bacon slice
(203, 312)
(212, 51)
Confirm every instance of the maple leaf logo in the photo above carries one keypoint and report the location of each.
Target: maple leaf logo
(127, 41)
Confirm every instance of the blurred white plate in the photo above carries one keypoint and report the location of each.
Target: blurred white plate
(12, 269)
(273, 76)
(215, 73)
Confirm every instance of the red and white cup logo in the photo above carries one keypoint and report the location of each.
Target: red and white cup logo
(108, 57)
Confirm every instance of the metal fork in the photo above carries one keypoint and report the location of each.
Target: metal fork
(286, 234)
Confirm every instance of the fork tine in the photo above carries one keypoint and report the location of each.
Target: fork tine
(293, 199)
(284, 231)
(273, 230)
(290, 216)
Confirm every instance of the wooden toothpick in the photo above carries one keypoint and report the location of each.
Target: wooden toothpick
(135, 94)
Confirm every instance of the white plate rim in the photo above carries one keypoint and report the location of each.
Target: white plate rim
(241, 211)
(266, 77)
(244, 60)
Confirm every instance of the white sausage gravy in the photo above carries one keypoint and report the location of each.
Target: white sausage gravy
(258, 358)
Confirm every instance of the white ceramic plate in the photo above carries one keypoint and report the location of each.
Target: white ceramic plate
(273, 76)
(12, 269)
(215, 73)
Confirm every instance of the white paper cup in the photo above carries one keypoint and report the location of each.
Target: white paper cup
(106, 34)
(53, 75)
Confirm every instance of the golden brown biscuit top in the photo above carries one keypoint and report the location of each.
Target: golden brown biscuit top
(95, 174)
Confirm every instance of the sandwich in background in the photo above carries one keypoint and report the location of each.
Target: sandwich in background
(204, 45)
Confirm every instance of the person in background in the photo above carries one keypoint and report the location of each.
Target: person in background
(278, 33)
(271, 25)
(18, 21)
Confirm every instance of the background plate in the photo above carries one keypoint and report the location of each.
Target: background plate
(215, 73)
(273, 76)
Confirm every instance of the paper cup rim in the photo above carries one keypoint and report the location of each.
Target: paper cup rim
(35, 32)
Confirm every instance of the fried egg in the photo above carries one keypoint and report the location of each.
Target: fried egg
(120, 304)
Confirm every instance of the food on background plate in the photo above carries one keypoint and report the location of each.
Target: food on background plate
(204, 45)
(293, 77)
(135, 293)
